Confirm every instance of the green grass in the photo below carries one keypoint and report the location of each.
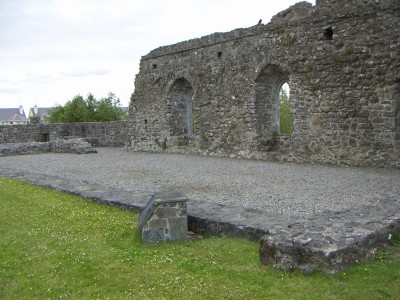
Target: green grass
(58, 246)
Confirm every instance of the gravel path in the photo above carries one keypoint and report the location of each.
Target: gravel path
(277, 188)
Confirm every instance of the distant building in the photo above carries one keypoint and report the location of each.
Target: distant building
(38, 114)
(13, 116)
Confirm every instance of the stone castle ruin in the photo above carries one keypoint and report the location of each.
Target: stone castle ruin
(219, 95)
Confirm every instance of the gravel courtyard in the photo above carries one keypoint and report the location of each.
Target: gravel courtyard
(288, 188)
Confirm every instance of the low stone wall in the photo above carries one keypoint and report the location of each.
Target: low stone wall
(98, 134)
(59, 146)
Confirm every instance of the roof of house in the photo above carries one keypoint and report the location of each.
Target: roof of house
(17, 118)
(7, 114)
(41, 111)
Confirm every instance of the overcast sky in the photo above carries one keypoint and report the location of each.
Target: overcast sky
(52, 50)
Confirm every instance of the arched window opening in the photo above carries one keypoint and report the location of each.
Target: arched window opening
(181, 105)
(268, 106)
(284, 110)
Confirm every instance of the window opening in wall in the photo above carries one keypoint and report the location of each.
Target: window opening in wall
(45, 137)
(193, 116)
(154, 66)
(328, 33)
(397, 111)
(267, 106)
(145, 121)
(284, 110)
(219, 54)
(182, 118)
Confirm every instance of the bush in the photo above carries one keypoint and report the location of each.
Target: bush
(88, 110)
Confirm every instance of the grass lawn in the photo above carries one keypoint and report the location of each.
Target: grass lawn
(58, 246)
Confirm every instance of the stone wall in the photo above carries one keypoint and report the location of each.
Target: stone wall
(218, 95)
(100, 134)
(76, 146)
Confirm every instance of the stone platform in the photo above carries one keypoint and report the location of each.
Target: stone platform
(327, 239)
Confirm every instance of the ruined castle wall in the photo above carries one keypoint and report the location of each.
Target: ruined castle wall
(98, 134)
(218, 95)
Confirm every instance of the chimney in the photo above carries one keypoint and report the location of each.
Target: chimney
(35, 110)
(21, 110)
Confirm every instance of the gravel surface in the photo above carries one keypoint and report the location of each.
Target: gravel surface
(275, 187)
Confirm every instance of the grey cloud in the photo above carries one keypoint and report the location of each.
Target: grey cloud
(9, 90)
(40, 79)
(84, 73)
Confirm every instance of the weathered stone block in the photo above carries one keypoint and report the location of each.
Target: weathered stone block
(178, 229)
(150, 235)
(164, 218)
(167, 212)
(158, 223)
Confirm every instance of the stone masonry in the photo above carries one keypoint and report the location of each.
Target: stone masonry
(164, 218)
(98, 134)
(76, 146)
(218, 95)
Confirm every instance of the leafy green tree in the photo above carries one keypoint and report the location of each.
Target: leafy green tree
(75, 110)
(91, 104)
(108, 109)
(88, 110)
(56, 114)
(284, 112)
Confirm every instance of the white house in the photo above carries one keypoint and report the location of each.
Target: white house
(41, 112)
(13, 116)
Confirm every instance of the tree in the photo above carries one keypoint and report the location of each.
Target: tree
(88, 110)
(284, 112)
(56, 114)
(108, 109)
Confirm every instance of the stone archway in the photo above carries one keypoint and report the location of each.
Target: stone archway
(267, 104)
(181, 108)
